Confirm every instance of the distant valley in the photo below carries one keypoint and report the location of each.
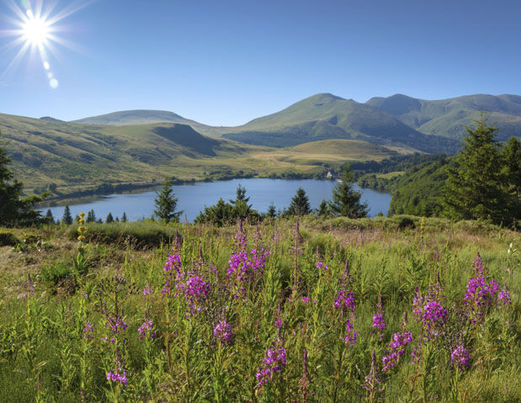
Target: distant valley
(308, 138)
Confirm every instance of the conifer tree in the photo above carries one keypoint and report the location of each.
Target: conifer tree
(511, 156)
(272, 211)
(166, 203)
(299, 205)
(346, 201)
(67, 217)
(49, 217)
(15, 210)
(475, 184)
(91, 216)
(124, 217)
(109, 218)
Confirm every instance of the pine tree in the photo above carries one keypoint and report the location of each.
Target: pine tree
(272, 211)
(109, 218)
(323, 209)
(475, 185)
(91, 216)
(49, 217)
(67, 217)
(13, 208)
(346, 201)
(511, 156)
(166, 204)
(299, 205)
(124, 217)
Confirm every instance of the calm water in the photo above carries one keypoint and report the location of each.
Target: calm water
(193, 198)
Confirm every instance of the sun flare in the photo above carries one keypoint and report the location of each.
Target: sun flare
(36, 30)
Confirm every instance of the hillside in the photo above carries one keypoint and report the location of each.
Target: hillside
(325, 116)
(75, 156)
(448, 117)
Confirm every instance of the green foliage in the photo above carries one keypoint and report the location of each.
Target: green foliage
(59, 346)
(166, 204)
(14, 209)
(299, 205)
(224, 213)
(475, 185)
(8, 239)
(109, 218)
(67, 217)
(346, 201)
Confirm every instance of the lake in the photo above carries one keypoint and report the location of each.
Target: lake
(194, 197)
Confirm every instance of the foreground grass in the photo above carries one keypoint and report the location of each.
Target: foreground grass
(257, 329)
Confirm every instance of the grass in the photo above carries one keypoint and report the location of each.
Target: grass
(52, 342)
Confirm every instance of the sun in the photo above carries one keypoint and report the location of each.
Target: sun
(36, 30)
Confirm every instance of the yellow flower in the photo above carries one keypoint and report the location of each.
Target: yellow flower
(82, 214)
(81, 238)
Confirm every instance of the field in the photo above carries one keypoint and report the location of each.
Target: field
(323, 310)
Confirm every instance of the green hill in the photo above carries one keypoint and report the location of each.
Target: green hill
(325, 116)
(448, 117)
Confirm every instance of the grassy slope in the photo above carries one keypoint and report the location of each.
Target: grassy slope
(382, 261)
(325, 116)
(75, 156)
(449, 116)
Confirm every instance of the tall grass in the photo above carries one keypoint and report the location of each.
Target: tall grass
(275, 312)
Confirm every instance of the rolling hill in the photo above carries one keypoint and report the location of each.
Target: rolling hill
(81, 156)
(326, 116)
(447, 117)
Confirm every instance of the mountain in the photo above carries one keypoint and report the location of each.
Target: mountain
(448, 117)
(51, 151)
(85, 156)
(326, 116)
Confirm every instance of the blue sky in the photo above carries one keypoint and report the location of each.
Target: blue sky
(227, 62)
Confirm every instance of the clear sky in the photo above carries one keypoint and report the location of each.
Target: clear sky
(227, 62)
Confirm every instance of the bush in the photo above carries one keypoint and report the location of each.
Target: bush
(56, 273)
(406, 223)
(8, 239)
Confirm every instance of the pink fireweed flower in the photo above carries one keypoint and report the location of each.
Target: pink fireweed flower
(321, 265)
(117, 325)
(88, 331)
(460, 357)
(396, 350)
(378, 321)
(146, 329)
(305, 300)
(173, 263)
(147, 291)
(194, 289)
(223, 332)
(504, 296)
(275, 361)
(434, 317)
(350, 337)
(345, 299)
(117, 376)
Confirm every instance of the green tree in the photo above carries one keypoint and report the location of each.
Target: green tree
(323, 209)
(49, 217)
(219, 214)
(475, 184)
(91, 216)
(511, 155)
(67, 217)
(124, 217)
(15, 210)
(346, 201)
(272, 211)
(109, 219)
(299, 205)
(166, 203)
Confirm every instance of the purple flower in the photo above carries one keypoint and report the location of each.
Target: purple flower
(173, 263)
(88, 331)
(275, 361)
(396, 350)
(147, 291)
(504, 297)
(116, 376)
(146, 329)
(350, 337)
(345, 299)
(117, 325)
(223, 332)
(321, 265)
(305, 300)
(460, 357)
(378, 321)
(278, 323)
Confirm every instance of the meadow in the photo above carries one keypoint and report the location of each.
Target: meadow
(393, 309)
